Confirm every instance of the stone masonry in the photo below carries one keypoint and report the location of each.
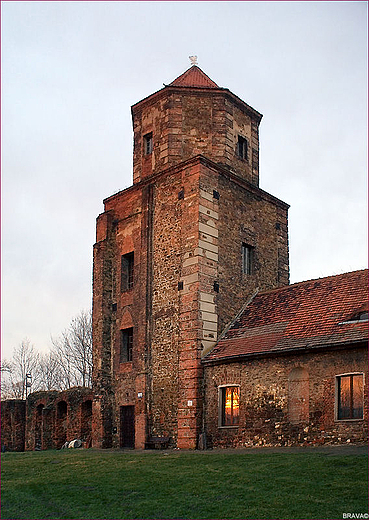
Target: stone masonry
(193, 203)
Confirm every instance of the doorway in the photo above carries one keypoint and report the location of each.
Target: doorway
(127, 426)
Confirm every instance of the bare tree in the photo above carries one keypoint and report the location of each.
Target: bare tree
(48, 372)
(21, 372)
(73, 352)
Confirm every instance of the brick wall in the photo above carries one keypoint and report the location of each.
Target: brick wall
(265, 400)
(189, 122)
(13, 419)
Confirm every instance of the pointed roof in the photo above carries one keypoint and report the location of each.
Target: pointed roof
(316, 313)
(194, 77)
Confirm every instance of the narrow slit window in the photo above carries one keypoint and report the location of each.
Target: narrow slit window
(230, 406)
(126, 345)
(247, 259)
(148, 144)
(350, 396)
(242, 148)
(127, 272)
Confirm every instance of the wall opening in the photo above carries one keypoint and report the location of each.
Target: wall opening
(39, 427)
(61, 424)
(86, 420)
(298, 396)
(127, 426)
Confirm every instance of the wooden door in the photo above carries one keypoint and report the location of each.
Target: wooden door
(127, 426)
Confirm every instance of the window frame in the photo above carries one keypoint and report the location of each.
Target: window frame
(221, 406)
(338, 395)
(126, 345)
(247, 267)
(242, 148)
(127, 271)
(148, 143)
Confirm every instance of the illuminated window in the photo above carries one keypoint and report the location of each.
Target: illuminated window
(247, 259)
(230, 403)
(126, 343)
(148, 144)
(127, 269)
(350, 396)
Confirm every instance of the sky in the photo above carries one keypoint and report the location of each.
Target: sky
(72, 70)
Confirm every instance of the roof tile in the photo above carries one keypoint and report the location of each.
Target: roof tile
(303, 315)
(194, 77)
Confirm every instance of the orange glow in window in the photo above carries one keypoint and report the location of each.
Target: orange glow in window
(231, 406)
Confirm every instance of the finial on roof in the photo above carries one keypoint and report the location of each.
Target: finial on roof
(193, 60)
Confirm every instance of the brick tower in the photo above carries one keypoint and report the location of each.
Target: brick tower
(177, 254)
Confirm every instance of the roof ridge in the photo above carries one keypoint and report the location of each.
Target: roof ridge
(286, 287)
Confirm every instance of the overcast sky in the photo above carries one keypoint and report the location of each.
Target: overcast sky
(72, 70)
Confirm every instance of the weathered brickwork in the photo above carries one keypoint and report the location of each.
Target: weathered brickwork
(193, 196)
(46, 420)
(266, 414)
(13, 418)
(186, 122)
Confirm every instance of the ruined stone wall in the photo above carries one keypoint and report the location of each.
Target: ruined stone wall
(46, 420)
(13, 421)
(265, 400)
(53, 418)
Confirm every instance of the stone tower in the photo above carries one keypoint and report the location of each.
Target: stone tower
(177, 255)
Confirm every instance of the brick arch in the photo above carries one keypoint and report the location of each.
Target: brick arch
(126, 322)
(127, 245)
(298, 395)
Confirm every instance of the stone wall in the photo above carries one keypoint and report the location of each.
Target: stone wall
(189, 122)
(268, 414)
(13, 420)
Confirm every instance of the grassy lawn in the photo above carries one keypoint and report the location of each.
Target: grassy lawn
(88, 484)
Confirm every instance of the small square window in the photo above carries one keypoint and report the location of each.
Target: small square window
(127, 272)
(242, 148)
(229, 406)
(247, 259)
(126, 344)
(148, 144)
(350, 396)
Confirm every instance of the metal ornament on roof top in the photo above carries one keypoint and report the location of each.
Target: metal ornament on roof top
(193, 60)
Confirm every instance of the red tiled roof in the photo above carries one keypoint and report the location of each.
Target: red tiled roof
(303, 315)
(194, 77)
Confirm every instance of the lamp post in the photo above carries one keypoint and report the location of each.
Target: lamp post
(28, 383)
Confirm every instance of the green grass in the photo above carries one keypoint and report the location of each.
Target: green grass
(89, 484)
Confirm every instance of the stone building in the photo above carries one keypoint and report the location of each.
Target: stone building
(191, 244)
(292, 368)
(176, 256)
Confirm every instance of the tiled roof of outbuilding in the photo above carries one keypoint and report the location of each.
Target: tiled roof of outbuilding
(304, 315)
(194, 77)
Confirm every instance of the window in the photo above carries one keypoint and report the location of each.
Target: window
(242, 150)
(126, 272)
(126, 343)
(350, 396)
(148, 144)
(247, 259)
(229, 403)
